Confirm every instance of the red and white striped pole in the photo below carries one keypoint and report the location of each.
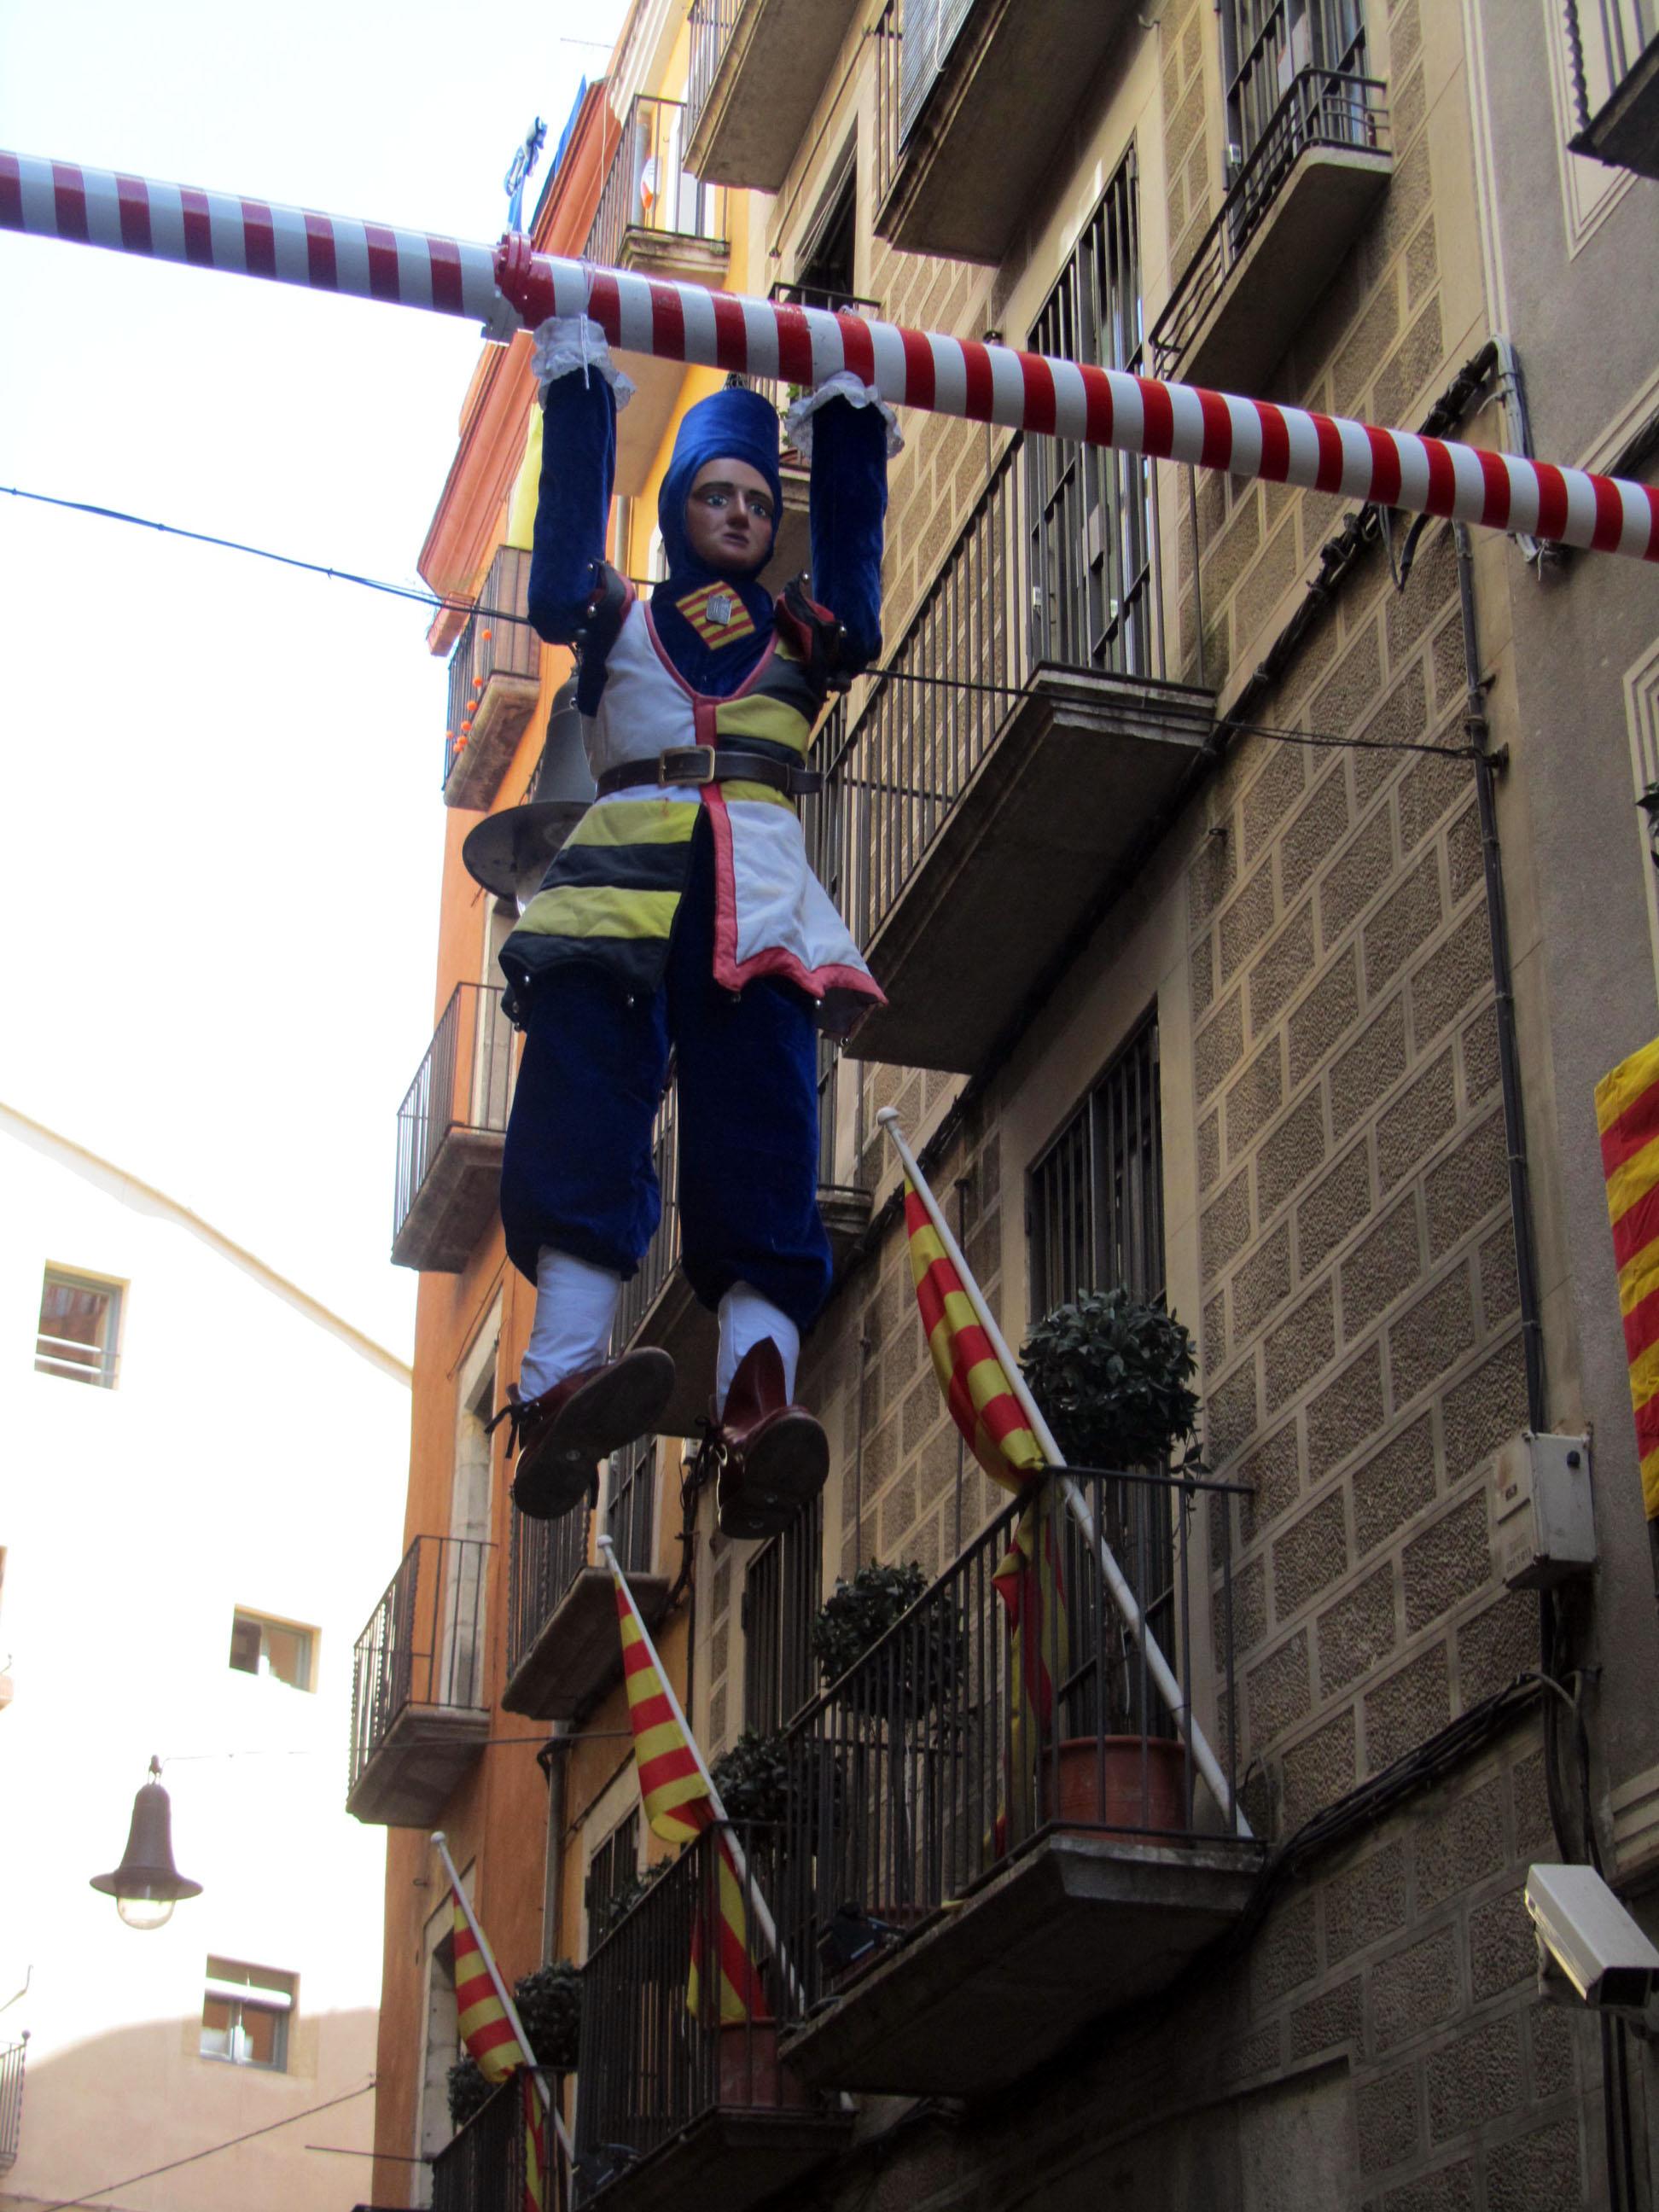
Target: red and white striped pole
(942, 375)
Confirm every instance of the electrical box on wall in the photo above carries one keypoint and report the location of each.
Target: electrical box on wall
(1544, 1524)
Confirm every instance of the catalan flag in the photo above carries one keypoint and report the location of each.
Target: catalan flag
(679, 1806)
(492, 2041)
(977, 1391)
(717, 614)
(1627, 1116)
(1030, 1581)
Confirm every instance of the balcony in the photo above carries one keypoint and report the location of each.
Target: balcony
(1290, 220)
(482, 2169)
(450, 1130)
(757, 67)
(564, 1652)
(972, 1882)
(1001, 74)
(1612, 58)
(11, 2100)
(658, 1307)
(418, 1711)
(676, 2112)
(655, 217)
(495, 679)
(1001, 779)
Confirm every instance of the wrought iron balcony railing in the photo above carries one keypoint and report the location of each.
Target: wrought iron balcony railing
(424, 1644)
(11, 2100)
(543, 1561)
(648, 187)
(1320, 108)
(932, 1764)
(450, 1127)
(711, 22)
(494, 677)
(1017, 593)
(656, 2056)
(485, 2168)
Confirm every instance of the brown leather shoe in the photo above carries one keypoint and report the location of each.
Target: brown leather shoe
(561, 1436)
(775, 1457)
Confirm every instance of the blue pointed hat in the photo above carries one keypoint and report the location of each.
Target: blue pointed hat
(735, 425)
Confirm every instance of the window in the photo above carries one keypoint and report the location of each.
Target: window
(79, 1334)
(1266, 46)
(258, 1646)
(245, 2015)
(782, 1595)
(629, 1519)
(1096, 1217)
(613, 1875)
(1088, 508)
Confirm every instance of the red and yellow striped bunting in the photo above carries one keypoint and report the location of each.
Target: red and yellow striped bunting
(1030, 1581)
(535, 2147)
(679, 1806)
(977, 1391)
(485, 2029)
(1627, 1116)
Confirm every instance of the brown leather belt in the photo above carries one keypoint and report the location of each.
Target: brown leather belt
(700, 764)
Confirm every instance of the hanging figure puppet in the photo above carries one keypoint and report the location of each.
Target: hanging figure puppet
(680, 919)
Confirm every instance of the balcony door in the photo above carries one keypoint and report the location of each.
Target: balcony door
(461, 1673)
(1267, 47)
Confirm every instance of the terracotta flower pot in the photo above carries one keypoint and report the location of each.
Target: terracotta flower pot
(749, 2073)
(1123, 1782)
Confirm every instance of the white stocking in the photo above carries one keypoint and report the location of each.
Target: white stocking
(745, 1319)
(575, 1306)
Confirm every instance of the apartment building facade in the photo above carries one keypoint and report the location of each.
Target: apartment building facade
(1222, 852)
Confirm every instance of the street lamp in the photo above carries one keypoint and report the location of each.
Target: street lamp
(147, 1885)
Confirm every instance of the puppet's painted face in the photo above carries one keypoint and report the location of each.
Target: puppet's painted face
(729, 522)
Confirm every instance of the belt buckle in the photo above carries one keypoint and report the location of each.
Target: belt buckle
(686, 764)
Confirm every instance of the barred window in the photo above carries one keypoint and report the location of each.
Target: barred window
(613, 1878)
(780, 1599)
(77, 1336)
(630, 1516)
(1096, 1215)
(1090, 509)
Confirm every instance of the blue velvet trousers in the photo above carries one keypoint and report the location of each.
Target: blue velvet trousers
(577, 1170)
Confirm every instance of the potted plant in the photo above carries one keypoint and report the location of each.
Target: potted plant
(1113, 1375)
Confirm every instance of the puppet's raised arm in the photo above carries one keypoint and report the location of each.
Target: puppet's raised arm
(579, 466)
(849, 435)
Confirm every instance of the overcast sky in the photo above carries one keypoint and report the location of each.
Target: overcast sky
(220, 821)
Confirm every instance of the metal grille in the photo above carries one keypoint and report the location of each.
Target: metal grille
(545, 1558)
(1265, 44)
(1096, 1194)
(712, 24)
(482, 2170)
(465, 1082)
(780, 1599)
(1090, 517)
(631, 1511)
(424, 1643)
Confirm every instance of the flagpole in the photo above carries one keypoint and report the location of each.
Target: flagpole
(508, 2005)
(1156, 1665)
(740, 1865)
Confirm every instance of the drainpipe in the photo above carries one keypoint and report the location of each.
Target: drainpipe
(1476, 729)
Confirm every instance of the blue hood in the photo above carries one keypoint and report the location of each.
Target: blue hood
(735, 425)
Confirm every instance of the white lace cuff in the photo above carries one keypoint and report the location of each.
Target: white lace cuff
(564, 342)
(843, 385)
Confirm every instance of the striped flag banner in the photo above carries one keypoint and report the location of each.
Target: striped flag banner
(976, 381)
(1627, 1116)
(494, 2035)
(1030, 1581)
(978, 1392)
(680, 1805)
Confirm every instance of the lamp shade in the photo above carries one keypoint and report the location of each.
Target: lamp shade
(147, 1885)
(508, 852)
